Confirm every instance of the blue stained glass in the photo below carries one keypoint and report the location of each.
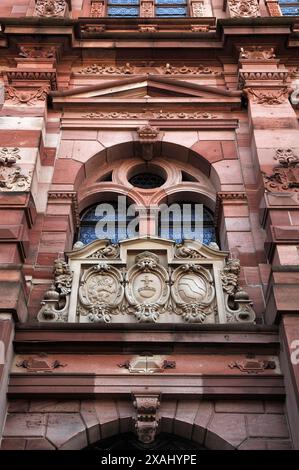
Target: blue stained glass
(124, 2)
(170, 2)
(290, 11)
(171, 11)
(123, 11)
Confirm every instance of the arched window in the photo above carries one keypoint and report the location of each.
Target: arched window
(187, 221)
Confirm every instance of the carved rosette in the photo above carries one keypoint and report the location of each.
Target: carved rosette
(101, 292)
(55, 304)
(50, 8)
(238, 305)
(147, 290)
(193, 293)
(243, 8)
(146, 421)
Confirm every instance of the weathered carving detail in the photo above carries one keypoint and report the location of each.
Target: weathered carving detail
(257, 53)
(147, 9)
(56, 300)
(184, 70)
(150, 115)
(253, 366)
(193, 292)
(243, 8)
(198, 9)
(147, 289)
(286, 176)
(268, 97)
(50, 8)
(148, 135)
(42, 364)
(108, 252)
(93, 28)
(38, 52)
(14, 179)
(148, 28)
(147, 364)
(97, 9)
(238, 305)
(9, 156)
(186, 252)
(26, 97)
(39, 75)
(101, 292)
(198, 28)
(146, 422)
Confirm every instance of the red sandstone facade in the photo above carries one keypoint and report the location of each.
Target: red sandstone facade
(85, 99)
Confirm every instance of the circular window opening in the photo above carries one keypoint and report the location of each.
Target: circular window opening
(147, 180)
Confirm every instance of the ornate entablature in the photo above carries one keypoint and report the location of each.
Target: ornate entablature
(146, 280)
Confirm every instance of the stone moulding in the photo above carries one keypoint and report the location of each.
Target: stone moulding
(62, 197)
(150, 115)
(32, 76)
(168, 283)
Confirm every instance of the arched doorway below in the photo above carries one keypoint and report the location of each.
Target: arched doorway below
(129, 441)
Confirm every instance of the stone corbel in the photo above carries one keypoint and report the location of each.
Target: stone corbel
(146, 420)
(148, 137)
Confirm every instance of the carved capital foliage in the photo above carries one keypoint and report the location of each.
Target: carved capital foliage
(243, 8)
(268, 97)
(24, 97)
(257, 53)
(129, 284)
(285, 177)
(146, 421)
(38, 52)
(9, 156)
(50, 8)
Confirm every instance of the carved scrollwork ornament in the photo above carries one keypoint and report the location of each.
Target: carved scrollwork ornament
(237, 302)
(55, 303)
(147, 289)
(101, 292)
(193, 293)
(286, 176)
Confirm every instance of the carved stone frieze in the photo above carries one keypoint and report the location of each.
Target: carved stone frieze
(198, 28)
(148, 28)
(268, 97)
(40, 364)
(243, 8)
(93, 28)
(147, 364)
(50, 8)
(150, 115)
(24, 97)
(286, 176)
(146, 421)
(245, 76)
(136, 282)
(129, 69)
(37, 75)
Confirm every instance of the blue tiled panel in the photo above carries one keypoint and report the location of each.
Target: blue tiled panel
(171, 11)
(123, 11)
(170, 2)
(290, 10)
(123, 2)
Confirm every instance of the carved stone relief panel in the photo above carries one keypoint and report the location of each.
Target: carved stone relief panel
(147, 280)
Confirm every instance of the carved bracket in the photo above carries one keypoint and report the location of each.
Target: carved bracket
(148, 136)
(147, 420)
